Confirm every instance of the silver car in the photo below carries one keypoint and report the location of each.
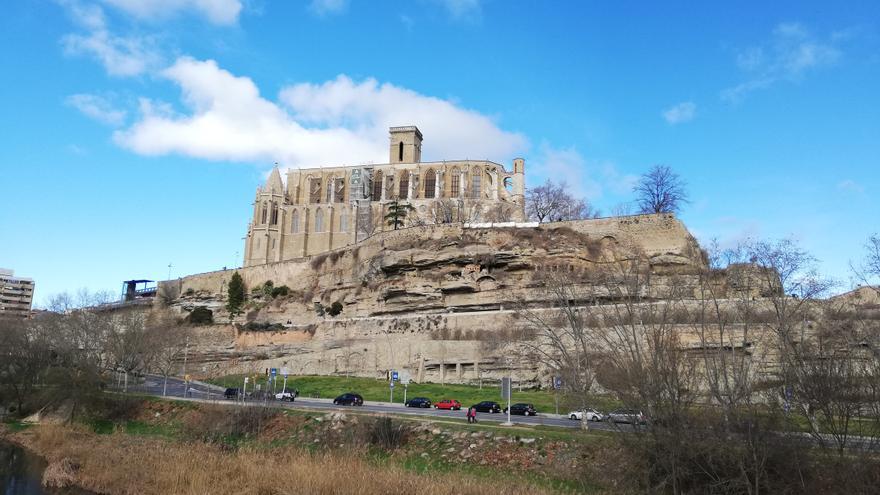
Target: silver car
(631, 416)
(592, 415)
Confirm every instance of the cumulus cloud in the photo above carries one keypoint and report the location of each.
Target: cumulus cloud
(586, 178)
(792, 52)
(97, 107)
(850, 186)
(334, 123)
(462, 9)
(216, 11)
(680, 113)
(120, 55)
(328, 7)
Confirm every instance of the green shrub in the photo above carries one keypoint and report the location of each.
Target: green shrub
(201, 315)
(281, 290)
(319, 309)
(335, 308)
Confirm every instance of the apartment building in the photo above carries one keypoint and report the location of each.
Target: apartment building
(16, 295)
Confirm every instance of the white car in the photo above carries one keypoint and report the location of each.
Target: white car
(592, 415)
(286, 395)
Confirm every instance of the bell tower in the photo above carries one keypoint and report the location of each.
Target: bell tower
(406, 144)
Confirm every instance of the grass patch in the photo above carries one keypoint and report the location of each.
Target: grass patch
(16, 426)
(374, 390)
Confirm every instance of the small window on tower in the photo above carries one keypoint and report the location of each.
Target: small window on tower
(400, 151)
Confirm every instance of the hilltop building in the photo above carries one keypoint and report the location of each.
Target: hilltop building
(16, 295)
(322, 209)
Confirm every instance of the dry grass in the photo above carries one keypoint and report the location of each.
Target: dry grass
(124, 464)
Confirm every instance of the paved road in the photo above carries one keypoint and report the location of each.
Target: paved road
(203, 391)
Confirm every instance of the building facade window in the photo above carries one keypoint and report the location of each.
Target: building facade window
(430, 183)
(314, 190)
(274, 214)
(294, 223)
(377, 185)
(330, 183)
(339, 193)
(400, 152)
(476, 177)
(265, 214)
(455, 186)
(319, 221)
(403, 189)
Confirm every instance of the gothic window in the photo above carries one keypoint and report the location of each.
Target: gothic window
(508, 184)
(315, 190)
(343, 221)
(377, 185)
(294, 224)
(403, 189)
(455, 190)
(400, 152)
(476, 176)
(330, 184)
(319, 221)
(339, 193)
(274, 214)
(430, 183)
(265, 215)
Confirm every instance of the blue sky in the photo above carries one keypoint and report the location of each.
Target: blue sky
(134, 132)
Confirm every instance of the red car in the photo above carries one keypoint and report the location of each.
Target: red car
(451, 404)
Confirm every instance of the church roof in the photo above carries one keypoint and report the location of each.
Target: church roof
(273, 183)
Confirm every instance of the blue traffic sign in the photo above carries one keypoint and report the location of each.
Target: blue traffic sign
(274, 372)
(394, 376)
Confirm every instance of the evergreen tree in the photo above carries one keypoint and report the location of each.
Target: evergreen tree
(397, 212)
(235, 295)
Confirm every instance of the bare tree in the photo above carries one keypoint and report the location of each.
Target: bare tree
(552, 202)
(170, 341)
(660, 190)
(560, 337)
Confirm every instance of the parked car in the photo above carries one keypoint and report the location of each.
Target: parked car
(522, 409)
(592, 415)
(286, 395)
(349, 399)
(451, 404)
(630, 416)
(418, 402)
(487, 406)
(231, 393)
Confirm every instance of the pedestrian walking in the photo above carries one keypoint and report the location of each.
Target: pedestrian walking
(472, 415)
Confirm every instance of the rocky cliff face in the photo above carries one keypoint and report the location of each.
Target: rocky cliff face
(434, 300)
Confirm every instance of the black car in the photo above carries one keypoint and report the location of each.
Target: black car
(487, 406)
(349, 399)
(522, 409)
(231, 393)
(418, 402)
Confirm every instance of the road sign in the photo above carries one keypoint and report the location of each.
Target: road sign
(285, 372)
(246, 379)
(394, 376)
(405, 377)
(274, 372)
(186, 377)
(391, 384)
(557, 382)
(505, 388)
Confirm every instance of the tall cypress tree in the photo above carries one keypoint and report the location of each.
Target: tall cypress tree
(397, 213)
(235, 295)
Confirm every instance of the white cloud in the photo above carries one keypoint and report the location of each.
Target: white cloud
(328, 7)
(97, 107)
(850, 186)
(120, 55)
(216, 11)
(462, 9)
(589, 179)
(338, 122)
(788, 56)
(680, 113)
